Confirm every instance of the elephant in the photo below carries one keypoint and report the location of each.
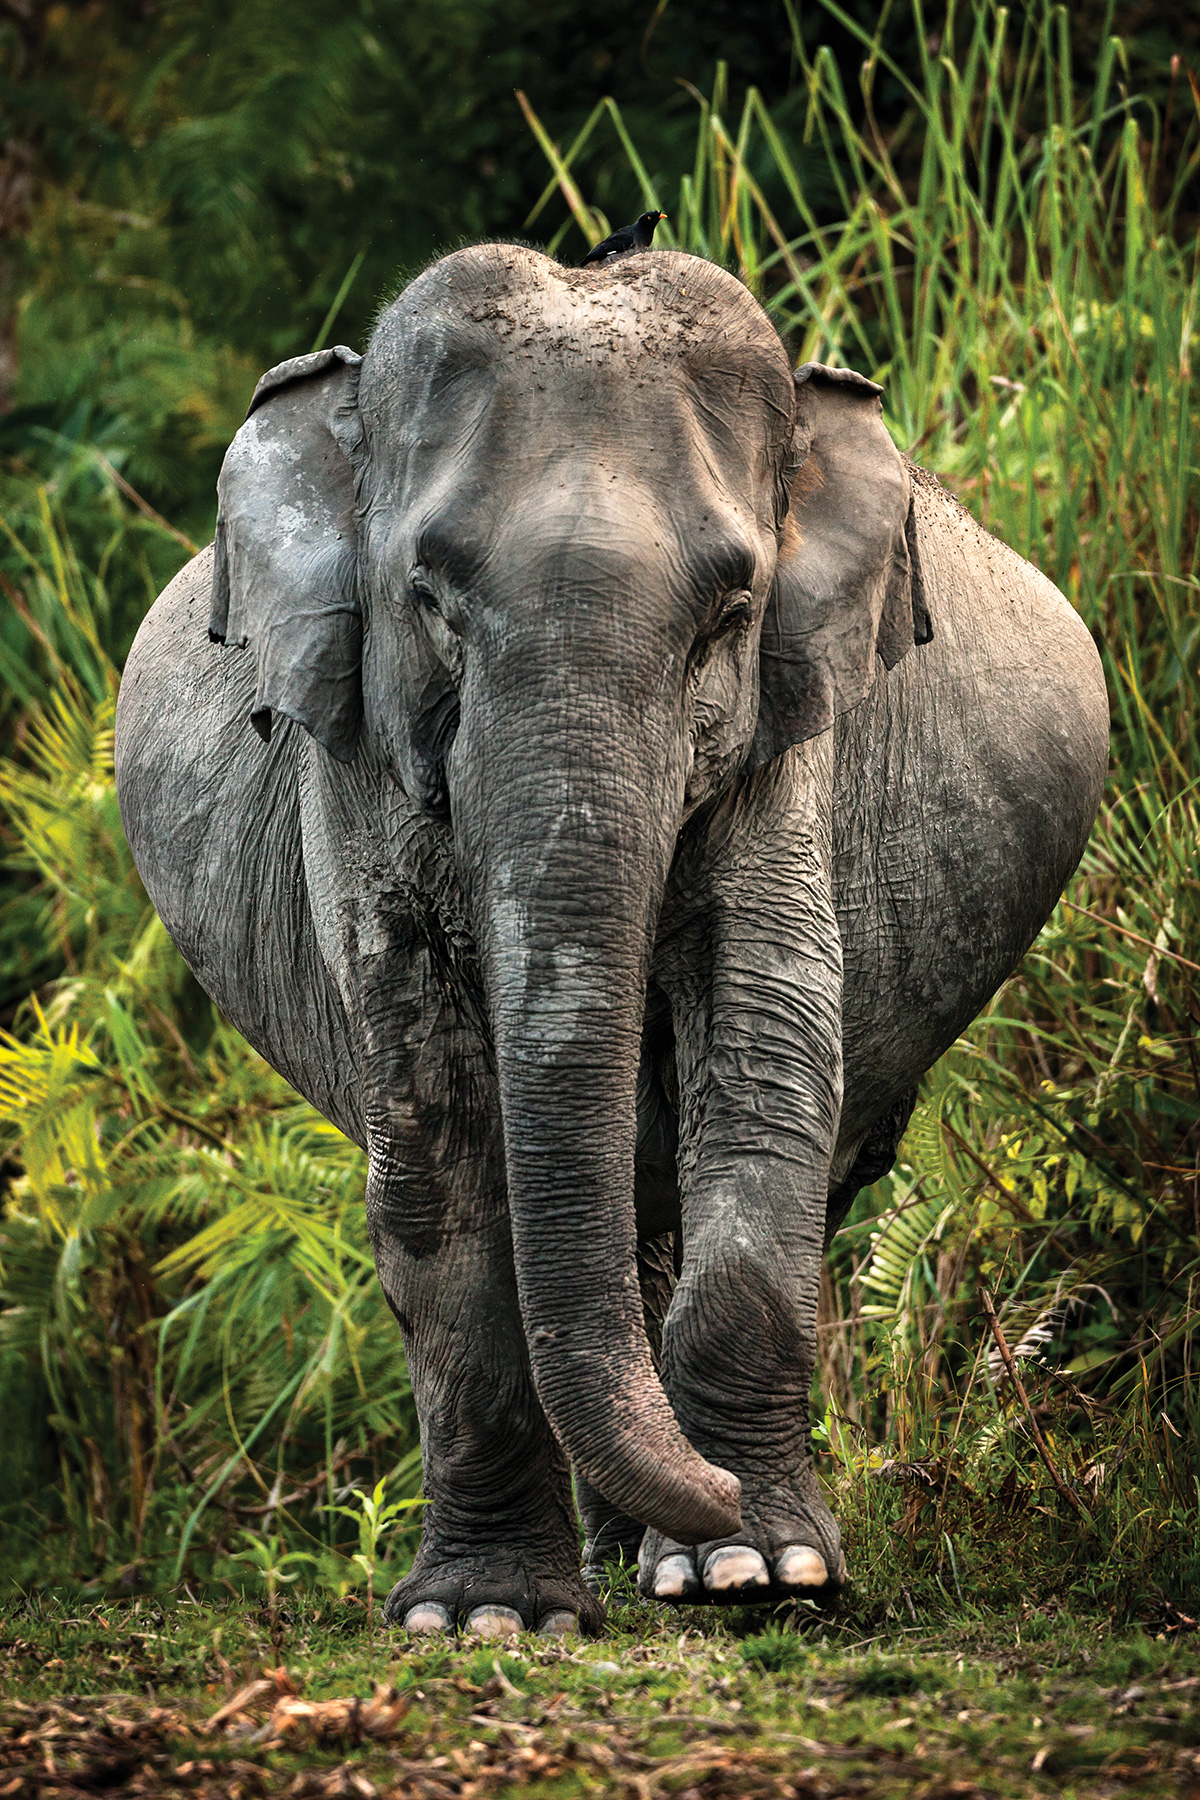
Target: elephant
(600, 773)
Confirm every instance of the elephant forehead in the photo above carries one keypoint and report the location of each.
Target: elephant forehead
(648, 318)
(631, 323)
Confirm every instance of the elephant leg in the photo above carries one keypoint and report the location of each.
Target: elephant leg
(610, 1535)
(750, 954)
(500, 1548)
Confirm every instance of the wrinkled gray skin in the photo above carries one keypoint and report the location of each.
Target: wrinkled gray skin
(557, 886)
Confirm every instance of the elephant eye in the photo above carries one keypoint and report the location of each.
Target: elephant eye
(444, 634)
(428, 595)
(420, 586)
(736, 610)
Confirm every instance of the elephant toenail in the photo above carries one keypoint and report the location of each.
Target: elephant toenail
(494, 1621)
(427, 1616)
(799, 1566)
(674, 1577)
(558, 1624)
(737, 1566)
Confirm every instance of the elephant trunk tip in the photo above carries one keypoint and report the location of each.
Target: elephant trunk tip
(689, 1504)
(642, 1463)
(711, 1512)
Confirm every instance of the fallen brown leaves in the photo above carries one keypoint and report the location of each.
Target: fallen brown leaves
(456, 1741)
(56, 1749)
(351, 1720)
(295, 1721)
(84, 1748)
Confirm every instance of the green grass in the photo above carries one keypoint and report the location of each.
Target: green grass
(1028, 1702)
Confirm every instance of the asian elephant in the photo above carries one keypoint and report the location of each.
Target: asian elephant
(602, 775)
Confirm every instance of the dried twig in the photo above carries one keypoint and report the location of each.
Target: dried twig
(1006, 1357)
(1136, 936)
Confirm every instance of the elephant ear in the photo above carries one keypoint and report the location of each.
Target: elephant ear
(848, 594)
(284, 572)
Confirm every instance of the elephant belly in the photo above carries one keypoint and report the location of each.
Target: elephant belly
(967, 784)
(213, 817)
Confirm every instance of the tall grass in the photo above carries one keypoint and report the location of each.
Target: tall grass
(1009, 264)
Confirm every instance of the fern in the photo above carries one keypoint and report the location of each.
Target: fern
(897, 1247)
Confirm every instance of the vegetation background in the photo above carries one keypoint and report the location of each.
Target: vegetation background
(993, 211)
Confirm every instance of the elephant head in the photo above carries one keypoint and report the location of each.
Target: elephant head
(574, 549)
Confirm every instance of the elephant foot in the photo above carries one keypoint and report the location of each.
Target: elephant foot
(789, 1548)
(492, 1596)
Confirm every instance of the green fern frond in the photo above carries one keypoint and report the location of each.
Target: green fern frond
(903, 1236)
(42, 1073)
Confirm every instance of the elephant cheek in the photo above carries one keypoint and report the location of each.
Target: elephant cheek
(722, 707)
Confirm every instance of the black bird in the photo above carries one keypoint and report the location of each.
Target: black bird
(638, 236)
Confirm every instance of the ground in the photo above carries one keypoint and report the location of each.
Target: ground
(217, 1699)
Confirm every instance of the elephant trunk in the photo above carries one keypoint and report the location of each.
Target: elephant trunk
(565, 827)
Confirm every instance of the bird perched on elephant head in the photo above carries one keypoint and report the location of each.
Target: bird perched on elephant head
(638, 236)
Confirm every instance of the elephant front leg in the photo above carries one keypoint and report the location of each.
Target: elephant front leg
(750, 954)
(500, 1547)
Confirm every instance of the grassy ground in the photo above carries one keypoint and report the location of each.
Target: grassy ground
(216, 1698)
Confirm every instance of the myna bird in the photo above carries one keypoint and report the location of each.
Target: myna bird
(638, 236)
